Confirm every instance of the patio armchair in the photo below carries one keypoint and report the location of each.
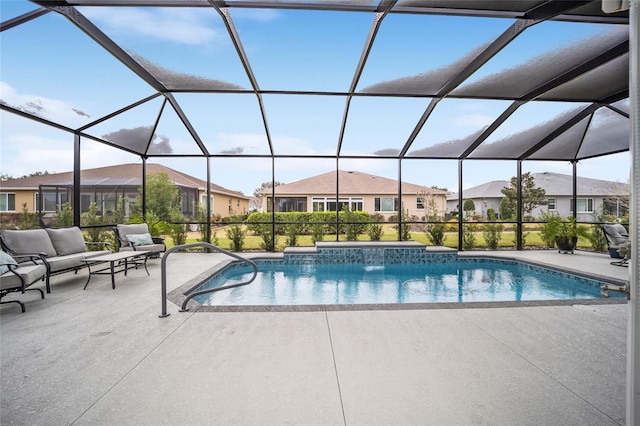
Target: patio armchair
(15, 276)
(137, 237)
(618, 242)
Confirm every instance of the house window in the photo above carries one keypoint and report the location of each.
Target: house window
(53, 201)
(203, 201)
(551, 204)
(323, 204)
(356, 204)
(584, 205)
(319, 204)
(289, 204)
(85, 202)
(109, 203)
(386, 204)
(7, 202)
(420, 203)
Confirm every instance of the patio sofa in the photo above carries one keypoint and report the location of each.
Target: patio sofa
(59, 250)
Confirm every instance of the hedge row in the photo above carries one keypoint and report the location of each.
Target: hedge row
(261, 222)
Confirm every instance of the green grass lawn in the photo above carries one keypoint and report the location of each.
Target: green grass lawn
(254, 242)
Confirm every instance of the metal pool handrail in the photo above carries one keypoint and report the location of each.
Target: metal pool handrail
(210, 290)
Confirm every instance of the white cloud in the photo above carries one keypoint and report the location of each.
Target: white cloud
(248, 143)
(28, 147)
(288, 145)
(51, 109)
(474, 121)
(192, 26)
(42, 154)
(259, 15)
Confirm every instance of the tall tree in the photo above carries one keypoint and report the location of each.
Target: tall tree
(264, 190)
(532, 196)
(163, 197)
(468, 206)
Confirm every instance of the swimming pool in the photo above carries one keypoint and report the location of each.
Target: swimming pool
(465, 280)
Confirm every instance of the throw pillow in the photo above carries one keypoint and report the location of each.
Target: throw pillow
(6, 259)
(140, 239)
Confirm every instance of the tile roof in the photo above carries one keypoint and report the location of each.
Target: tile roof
(350, 183)
(118, 175)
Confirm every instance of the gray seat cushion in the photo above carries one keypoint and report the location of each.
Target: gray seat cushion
(152, 247)
(28, 241)
(30, 273)
(70, 261)
(67, 240)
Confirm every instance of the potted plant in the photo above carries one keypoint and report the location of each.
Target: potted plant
(567, 233)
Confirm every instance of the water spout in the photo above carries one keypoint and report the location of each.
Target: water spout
(624, 289)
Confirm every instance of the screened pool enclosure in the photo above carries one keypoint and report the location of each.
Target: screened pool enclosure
(229, 90)
(444, 94)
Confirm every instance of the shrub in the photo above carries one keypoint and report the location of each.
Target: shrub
(468, 236)
(352, 224)
(549, 229)
(268, 239)
(64, 216)
(375, 228)
(177, 231)
(317, 228)
(435, 233)
(596, 236)
(292, 234)
(27, 220)
(201, 217)
(492, 233)
(236, 232)
(404, 230)
(90, 219)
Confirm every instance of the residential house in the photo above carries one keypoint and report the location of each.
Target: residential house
(591, 195)
(358, 191)
(106, 185)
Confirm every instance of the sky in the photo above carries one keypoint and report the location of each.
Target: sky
(51, 68)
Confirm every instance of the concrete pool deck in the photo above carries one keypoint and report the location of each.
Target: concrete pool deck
(103, 356)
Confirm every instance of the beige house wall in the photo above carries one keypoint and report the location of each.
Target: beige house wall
(221, 202)
(22, 196)
(226, 205)
(25, 197)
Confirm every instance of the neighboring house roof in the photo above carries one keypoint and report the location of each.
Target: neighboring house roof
(554, 184)
(119, 175)
(350, 183)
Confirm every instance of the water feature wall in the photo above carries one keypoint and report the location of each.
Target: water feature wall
(378, 253)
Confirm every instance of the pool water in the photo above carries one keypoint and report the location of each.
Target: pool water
(278, 283)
